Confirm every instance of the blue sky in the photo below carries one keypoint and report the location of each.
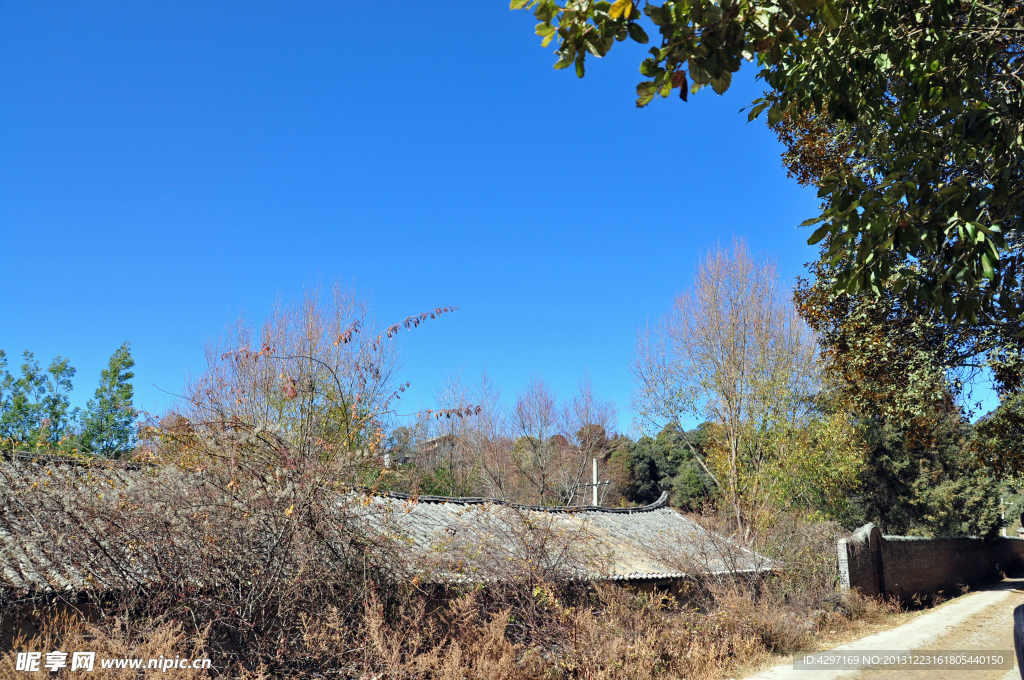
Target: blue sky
(164, 166)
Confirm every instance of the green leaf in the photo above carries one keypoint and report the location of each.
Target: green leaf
(637, 33)
(775, 113)
(579, 65)
(546, 10)
(519, 4)
(819, 233)
(829, 15)
(987, 266)
(564, 62)
(721, 84)
(646, 92)
(712, 13)
(698, 74)
(649, 67)
(756, 111)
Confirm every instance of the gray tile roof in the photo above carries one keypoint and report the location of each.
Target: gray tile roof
(654, 542)
(38, 512)
(446, 538)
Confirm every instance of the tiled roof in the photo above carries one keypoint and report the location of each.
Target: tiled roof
(35, 518)
(654, 542)
(449, 538)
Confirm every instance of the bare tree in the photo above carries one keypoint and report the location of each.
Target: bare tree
(539, 451)
(589, 421)
(732, 352)
(539, 446)
(488, 435)
(447, 447)
(316, 373)
(316, 378)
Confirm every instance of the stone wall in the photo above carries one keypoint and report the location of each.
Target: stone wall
(905, 566)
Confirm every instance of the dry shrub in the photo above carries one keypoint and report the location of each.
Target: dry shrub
(114, 640)
(455, 641)
(612, 632)
(529, 562)
(807, 573)
(629, 634)
(514, 630)
(792, 597)
(458, 641)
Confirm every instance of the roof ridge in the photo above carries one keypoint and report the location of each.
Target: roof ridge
(99, 462)
(55, 459)
(460, 500)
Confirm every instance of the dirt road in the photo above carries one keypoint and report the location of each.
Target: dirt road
(978, 621)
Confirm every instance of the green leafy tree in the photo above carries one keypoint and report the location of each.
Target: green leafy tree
(108, 426)
(926, 95)
(896, 360)
(888, 497)
(35, 410)
(900, 370)
(999, 437)
(665, 463)
(928, 484)
(648, 469)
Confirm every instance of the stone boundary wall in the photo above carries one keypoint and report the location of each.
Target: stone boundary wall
(904, 566)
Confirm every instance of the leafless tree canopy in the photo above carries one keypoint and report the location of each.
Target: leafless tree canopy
(316, 374)
(734, 353)
(536, 450)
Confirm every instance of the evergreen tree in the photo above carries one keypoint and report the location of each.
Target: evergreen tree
(927, 482)
(108, 428)
(664, 463)
(34, 408)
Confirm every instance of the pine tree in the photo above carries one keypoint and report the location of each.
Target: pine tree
(109, 423)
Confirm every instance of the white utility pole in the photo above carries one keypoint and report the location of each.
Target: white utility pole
(1002, 510)
(595, 481)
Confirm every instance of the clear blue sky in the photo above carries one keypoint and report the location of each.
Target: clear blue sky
(165, 165)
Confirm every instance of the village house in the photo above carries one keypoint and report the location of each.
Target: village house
(49, 507)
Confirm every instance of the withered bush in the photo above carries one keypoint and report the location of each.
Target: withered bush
(233, 555)
(245, 537)
(796, 597)
(114, 640)
(321, 594)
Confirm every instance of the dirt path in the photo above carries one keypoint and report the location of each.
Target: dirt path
(978, 621)
(991, 628)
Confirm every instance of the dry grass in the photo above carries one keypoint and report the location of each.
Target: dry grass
(113, 641)
(610, 632)
(315, 620)
(259, 574)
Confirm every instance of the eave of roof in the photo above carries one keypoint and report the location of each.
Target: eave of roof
(459, 500)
